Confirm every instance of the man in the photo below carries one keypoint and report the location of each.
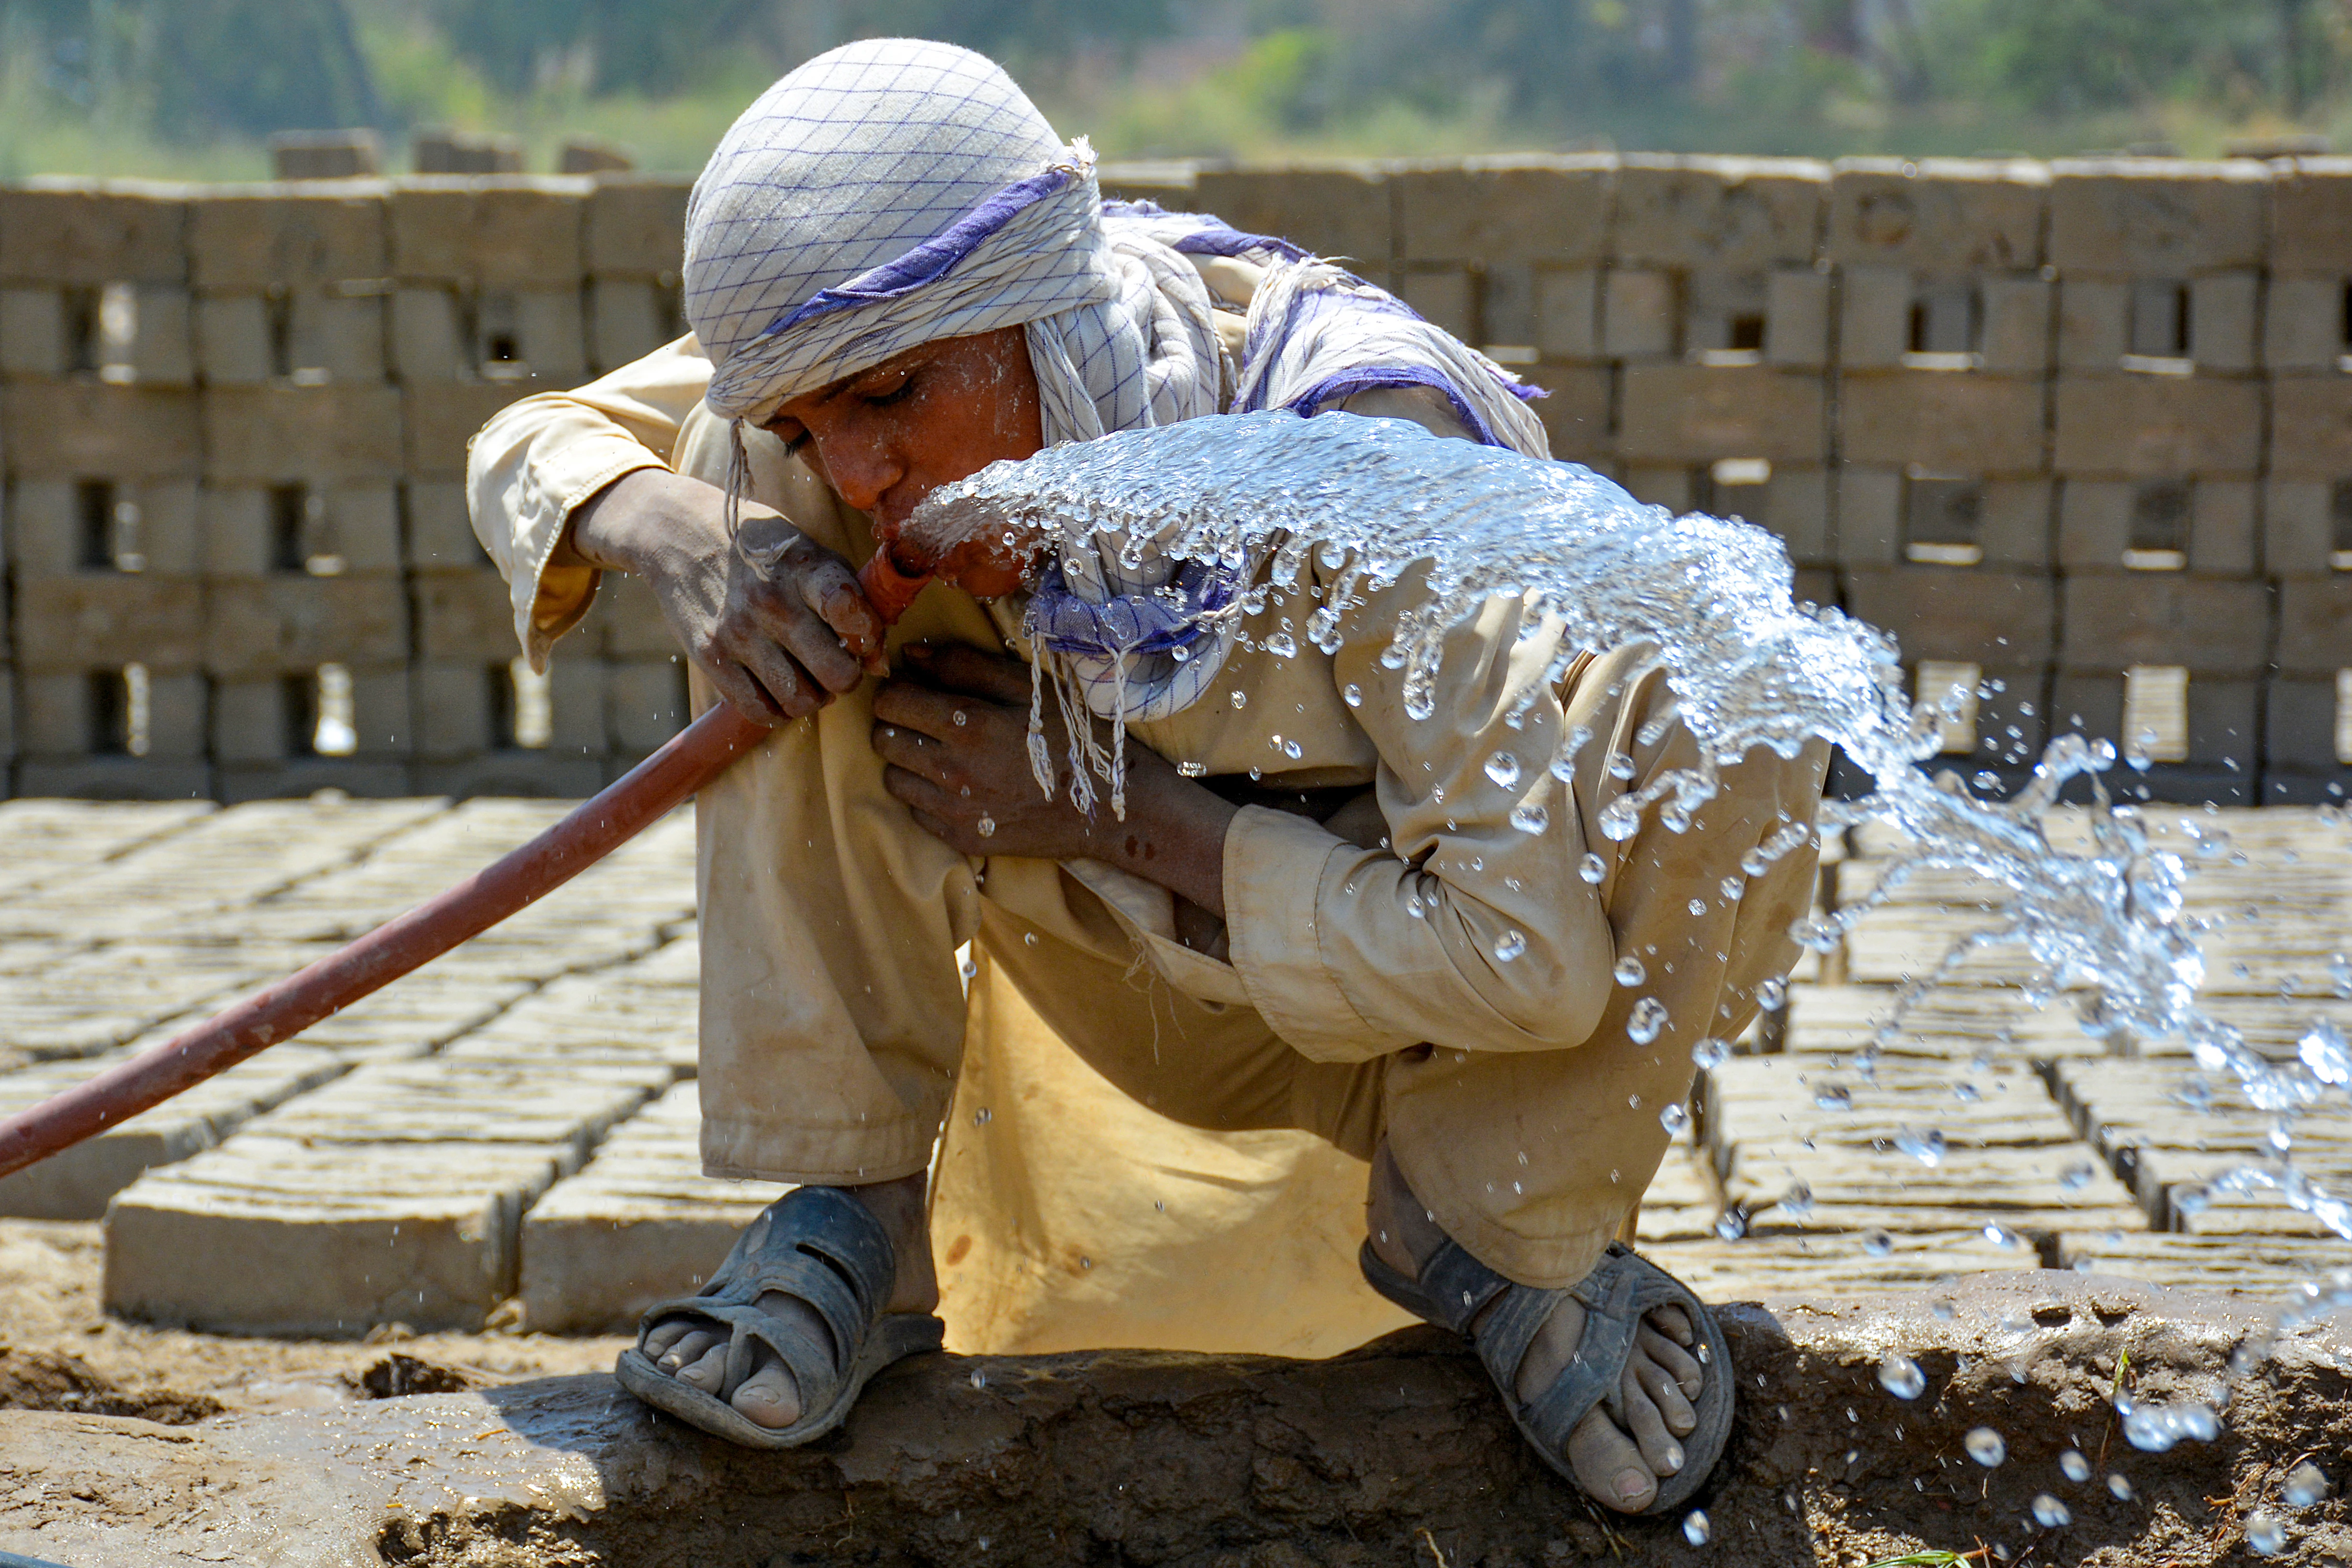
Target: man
(1313, 912)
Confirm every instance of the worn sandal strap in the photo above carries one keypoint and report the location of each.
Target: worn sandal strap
(1458, 1286)
(818, 1244)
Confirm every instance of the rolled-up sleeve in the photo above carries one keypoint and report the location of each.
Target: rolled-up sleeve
(1463, 929)
(538, 459)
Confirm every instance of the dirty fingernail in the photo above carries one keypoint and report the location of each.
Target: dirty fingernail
(1630, 1484)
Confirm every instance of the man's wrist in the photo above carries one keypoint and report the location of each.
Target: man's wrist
(610, 531)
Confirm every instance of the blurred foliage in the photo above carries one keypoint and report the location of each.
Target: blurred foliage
(190, 87)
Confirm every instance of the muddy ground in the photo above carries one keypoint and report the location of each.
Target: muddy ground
(129, 1446)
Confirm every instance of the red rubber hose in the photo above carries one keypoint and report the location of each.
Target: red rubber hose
(599, 825)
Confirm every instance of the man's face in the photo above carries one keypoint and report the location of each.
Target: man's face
(888, 437)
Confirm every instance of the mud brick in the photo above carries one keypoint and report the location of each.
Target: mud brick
(2156, 217)
(2013, 526)
(2094, 524)
(629, 318)
(1873, 316)
(287, 624)
(1638, 311)
(341, 336)
(100, 620)
(428, 344)
(68, 232)
(1869, 517)
(361, 527)
(1937, 214)
(441, 419)
(44, 527)
(506, 233)
(170, 532)
(1575, 414)
(251, 722)
(2157, 426)
(55, 721)
(2299, 723)
(315, 433)
(32, 332)
(1700, 413)
(1794, 503)
(162, 347)
(1448, 298)
(1722, 215)
(554, 341)
(2302, 325)
(454, 713)
(541, 774)
(2223, 713)
(463, 616)
(440, 533)
(1522, 207)
(2298, 528)
(1507, 309)
(1667, 486)
(630, 620)
(2111, 620)
(2314, 625)
(60, 720)
(252, 238)
(2224, 321)
(635, 226)
(1568, 313)
(325, 154)
(74, 429)
(2094, 323)
(2017, 331)
(1338, 210)
(644, 702)
(2311, 214)
(1978, 615)
(2311, 427)
(239, 531)
(233, 337)
(1797, 318)
(1951, 422)
(1167, 182)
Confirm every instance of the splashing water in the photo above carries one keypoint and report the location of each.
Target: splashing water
(1712, 603)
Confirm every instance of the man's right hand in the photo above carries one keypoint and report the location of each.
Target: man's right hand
(780, 639)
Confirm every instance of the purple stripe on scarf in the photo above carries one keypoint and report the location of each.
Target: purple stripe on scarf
(1157, 620)
(1211, 235)
(932, 259)
(1339, 388)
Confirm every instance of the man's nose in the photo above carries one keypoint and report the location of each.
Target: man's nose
(861, 471)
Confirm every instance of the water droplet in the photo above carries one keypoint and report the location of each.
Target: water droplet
(1290, 748)
(1644, 1024)
(1985, 1447)
(1529, 817)
(1510, 945)
(1901, 1377)
(983, 1117)
(2306, 1485)
(1504, 769)
(2323, 1050)
(2265, 1536)
(1878, 1244)
(1029, 939)
(1238, 699)
(2119, 1488)
(1927, 1147)
(1592, 870)
(1281, 645)
(979, 1378)
(1696, 1529)
(2050, 1513)
(1834, 1097)
(1352, 695)
(1697, 908)
(2074, 1467)
(1194, 770)
(1621, 766)
(985, 826)
(1731, 887)
(958, 719)
(1629, 971)
(1674, 1119)
(2076, 1176)
(1085, 1263)
(1773, 995)
(1620, 820)
(1709, 1053)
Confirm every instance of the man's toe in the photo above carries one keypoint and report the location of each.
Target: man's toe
(769, 1397)
(1660, 1452)
(1608, 1465)
(706, 1371)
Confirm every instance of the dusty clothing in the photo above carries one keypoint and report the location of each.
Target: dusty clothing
(1414, 965)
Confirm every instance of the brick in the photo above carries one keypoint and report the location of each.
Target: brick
(635, 227)
(325, 154)
(44, 533)
(629, 318)
(163, 350)
(65, 232)
(1718, 214)
(513, 233)
(1517, 207)
(2017, 330)
(2157, 426)
(2303, 327)
(170, 532)
(1338, 210)
(1937, 214)
(1723, 310)
(2223, 317)
(362, 528)
(644, 702)
(510, 772)
(440, 533)
(300, 778)
(1797, 319)
(440, 420)
(2311, 427)
(251, 722)
(1575, 414)
(1506, 308)
(55, 720)
(101, 620)
(2314, 625)
(287, 624)
(32, 332)
(339, 336)
(2222, 530)
(1979, 617)
(1946, 421)
(312, 433)
(2217, 625)
(2311, 214)
(1638, 312)
(2299, 723)
(2298, 528)
(239, 531)
(1795, 506)
(2156, 217)
(2094, 323)
(1873, 317)
(549, 332)
(233, 337)
(1448, 298)
(454, 710)
(463, 616)
(1568, 313)
(1667, 486)
(252, 238)
(73, 429)
(1869, 517)
(1698, 413)
(428, 343)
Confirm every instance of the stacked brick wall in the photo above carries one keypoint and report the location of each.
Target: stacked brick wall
(2078, 432)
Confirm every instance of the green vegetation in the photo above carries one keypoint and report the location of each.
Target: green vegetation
(190, 88)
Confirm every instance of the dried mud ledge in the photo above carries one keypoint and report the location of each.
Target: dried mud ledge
(1397, 1453)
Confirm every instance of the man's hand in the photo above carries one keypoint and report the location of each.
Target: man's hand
(779, 639)
(956, 741)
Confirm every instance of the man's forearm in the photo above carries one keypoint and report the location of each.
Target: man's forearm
(1174, 834)
(625, 525)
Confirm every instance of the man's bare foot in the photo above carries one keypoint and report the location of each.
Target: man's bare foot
(697, 1356)
(1620, 1468)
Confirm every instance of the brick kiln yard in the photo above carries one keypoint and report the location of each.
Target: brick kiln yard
(499, 1151)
